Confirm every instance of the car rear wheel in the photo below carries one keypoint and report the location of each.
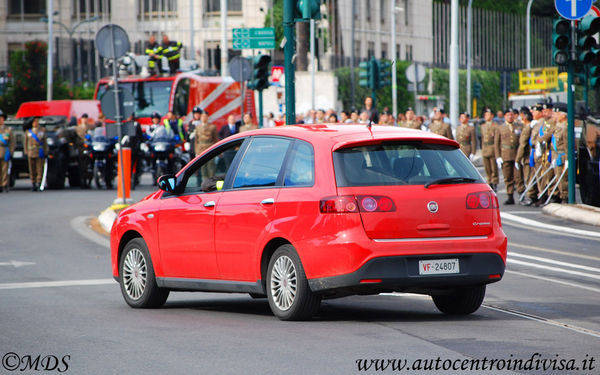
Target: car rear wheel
(463, 301)
(290, 297)
(136, 277)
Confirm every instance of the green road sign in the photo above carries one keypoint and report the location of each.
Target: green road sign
(254, 38)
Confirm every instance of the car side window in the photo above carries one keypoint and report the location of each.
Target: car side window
(205, 175)
(301, 171)
(262, 162)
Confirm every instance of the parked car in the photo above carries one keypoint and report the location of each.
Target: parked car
(303, 213)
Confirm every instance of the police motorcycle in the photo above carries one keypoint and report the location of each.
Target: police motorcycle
(102, 152)
(166, 154)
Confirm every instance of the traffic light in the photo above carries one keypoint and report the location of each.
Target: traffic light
(476, 90)
(561, 41)
(364, 74)
(385, 73)
(260, 75)
(307, 10)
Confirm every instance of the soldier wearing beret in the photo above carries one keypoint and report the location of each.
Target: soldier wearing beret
(506, 145)
(488, 153)
(465, 136)
(36, 149)
(205, 135)
(411, 120)
(438, 126)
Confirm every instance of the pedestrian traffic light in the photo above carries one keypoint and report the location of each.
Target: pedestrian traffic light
(560, 41)
(476, 90)
(307, 10)
(385, 73)
(260, 75)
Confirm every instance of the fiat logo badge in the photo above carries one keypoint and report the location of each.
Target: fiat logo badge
(432, 207)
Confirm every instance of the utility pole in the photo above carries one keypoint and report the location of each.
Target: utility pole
(312, 63)
(469, 52)
(288, 52)
(352, 81)
(49, 67)
(394, 61)
(224, 48)
(192, 53)
(528, 36)
(571, 116)
(454, 63)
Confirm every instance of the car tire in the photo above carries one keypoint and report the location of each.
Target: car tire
(463, 301)
(137, 279)
(289, 295)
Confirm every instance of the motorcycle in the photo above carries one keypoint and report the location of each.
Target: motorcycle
(167, 156)
(103, 159)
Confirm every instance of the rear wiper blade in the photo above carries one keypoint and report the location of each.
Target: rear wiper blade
(450, 180)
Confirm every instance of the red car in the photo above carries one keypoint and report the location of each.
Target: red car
(302, 213)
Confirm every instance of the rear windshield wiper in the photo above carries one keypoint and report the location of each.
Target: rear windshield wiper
(450, 180)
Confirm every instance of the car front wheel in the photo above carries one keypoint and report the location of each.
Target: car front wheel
(136, 277)
(290, 297)
(462, 301)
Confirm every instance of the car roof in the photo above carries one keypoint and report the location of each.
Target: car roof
(339, 136)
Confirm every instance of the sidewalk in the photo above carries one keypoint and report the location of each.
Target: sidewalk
(580, 213)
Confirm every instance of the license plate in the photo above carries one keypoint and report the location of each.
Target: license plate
(438, 266)
(18, 154)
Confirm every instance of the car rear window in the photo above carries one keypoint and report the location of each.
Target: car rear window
(400, 163)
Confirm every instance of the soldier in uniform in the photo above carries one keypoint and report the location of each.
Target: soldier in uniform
(7, 148)
(488, 135)
(438, 126)
(36, 149)
(524, 153)
(154, 52)
(506, 144)
(411, 120)
(465, 136)
(543, 152)
(205, 135)
(559, 146)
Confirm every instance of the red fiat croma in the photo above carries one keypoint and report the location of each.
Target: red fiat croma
(302, 213)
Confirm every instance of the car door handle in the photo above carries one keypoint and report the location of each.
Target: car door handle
(209, 204)
(267, 201)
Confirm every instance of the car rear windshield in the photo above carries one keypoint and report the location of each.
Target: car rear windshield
(401, 163)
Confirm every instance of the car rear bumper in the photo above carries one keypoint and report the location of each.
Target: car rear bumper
(401, 273)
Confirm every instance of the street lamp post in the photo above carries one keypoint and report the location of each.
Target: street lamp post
(469, 52)
(528, 21)
(70, 32)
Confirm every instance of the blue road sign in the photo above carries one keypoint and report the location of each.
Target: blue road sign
(573, 9)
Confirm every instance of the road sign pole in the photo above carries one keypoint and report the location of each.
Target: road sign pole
(260, 108)
(118, 114)
(571, 117)
(288, 52)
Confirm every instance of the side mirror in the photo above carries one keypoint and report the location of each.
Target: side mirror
(167, 183)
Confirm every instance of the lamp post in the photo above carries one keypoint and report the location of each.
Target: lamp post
(394, 85)
(469, 53)
(528, 21)
(71, 31)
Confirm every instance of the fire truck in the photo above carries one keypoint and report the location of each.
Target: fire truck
(219, 96)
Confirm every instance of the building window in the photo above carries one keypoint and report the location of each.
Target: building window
(382, 10)
(409, 52)
(156, 7)
(397, 52)
(30, 7)
(357, 48)
(406, 12)
(215, 6)
(371, 50)
(368, 10)
(384, 48)
(89, 6)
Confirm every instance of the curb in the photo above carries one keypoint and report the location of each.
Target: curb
(580, 213)
(107, 218)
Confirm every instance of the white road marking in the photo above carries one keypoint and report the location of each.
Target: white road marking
(16, 263)
(556, 269)
(574, 285)
(53, 284)
(548, 227)
(585, 331)
(537, 248)
(555, 262)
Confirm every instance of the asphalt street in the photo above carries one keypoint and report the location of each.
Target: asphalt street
(58, 299)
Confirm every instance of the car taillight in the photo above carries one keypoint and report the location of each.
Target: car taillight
(338, 204)
(482, 200)
(350, 204)
(375, 203)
